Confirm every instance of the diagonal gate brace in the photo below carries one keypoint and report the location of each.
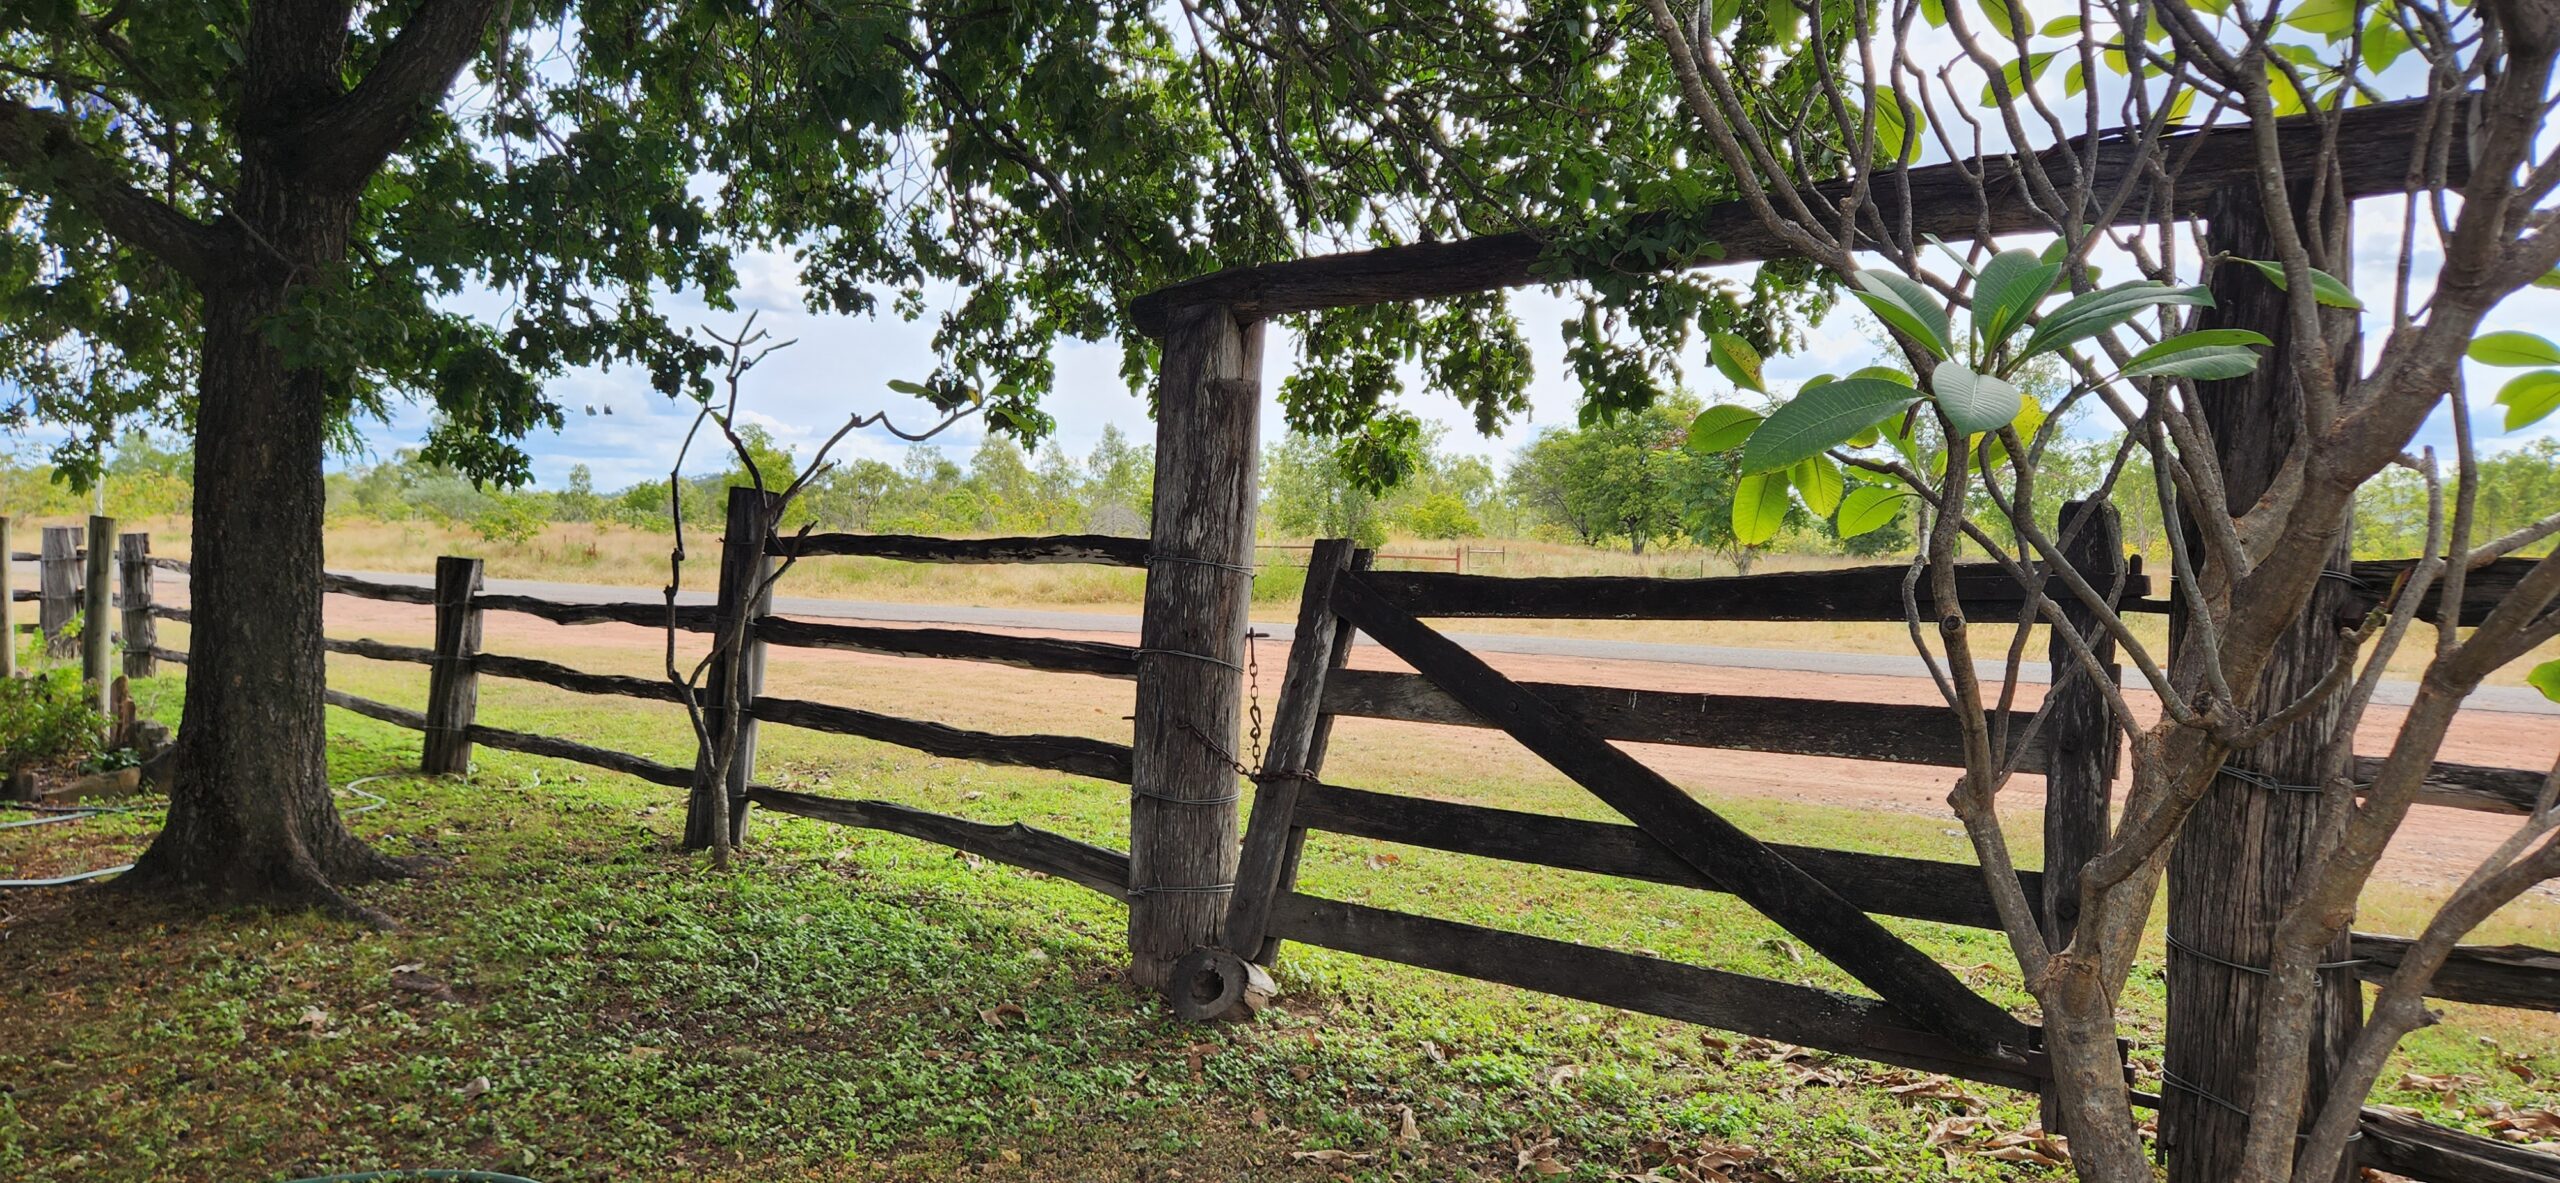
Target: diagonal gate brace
(1916, 985)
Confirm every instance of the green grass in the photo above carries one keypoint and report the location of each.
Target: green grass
(842, 1004)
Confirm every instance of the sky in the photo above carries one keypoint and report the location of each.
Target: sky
(841, 365)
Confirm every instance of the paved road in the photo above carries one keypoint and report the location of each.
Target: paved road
(2508, 699)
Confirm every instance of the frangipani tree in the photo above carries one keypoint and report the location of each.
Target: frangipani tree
(2230, 359)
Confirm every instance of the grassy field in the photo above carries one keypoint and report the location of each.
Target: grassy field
(622, 556)
(582, 1001)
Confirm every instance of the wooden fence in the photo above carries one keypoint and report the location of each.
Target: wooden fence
(1572, 725)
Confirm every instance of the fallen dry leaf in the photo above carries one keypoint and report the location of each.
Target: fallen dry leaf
(1408, 1132)
(413, 982)
(995, 1016)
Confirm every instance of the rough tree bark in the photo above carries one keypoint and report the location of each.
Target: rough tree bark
(250, 814)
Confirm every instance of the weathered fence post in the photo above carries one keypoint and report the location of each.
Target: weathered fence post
(1182, 808)
(97, 615)
(8, 601)
(2241, 850)
(453, 684)
(58, 589)
(2080, 732)
(746, 594)
(133, 583)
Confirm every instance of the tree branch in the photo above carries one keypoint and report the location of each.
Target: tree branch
(42, 151)
(346, 141)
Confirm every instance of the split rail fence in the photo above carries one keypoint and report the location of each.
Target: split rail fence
(1826, 895)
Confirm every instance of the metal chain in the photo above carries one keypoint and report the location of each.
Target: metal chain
(1253, 697)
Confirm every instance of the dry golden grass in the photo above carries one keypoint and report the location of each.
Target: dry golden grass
(622, 556)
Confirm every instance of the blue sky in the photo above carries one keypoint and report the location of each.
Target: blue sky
(842, 364)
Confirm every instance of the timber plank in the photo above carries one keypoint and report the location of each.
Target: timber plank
(1038, 653)
(1062, 753)
(1106, 549)
(1822, 1019)
(1105, 871)
(1801, 904)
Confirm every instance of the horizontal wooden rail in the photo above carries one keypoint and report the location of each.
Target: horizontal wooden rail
(173, 612)
(396, 716)
(163, 562)
(2416, 1149)
(25, 594)
(1107, 549)
(688, 617)
(374, 589)
(1038, 653)
(1885, 885)
(1104, 870)
(1823, 1019)
(379, 650)
(563, 749)
(1901, 734)
(1936, 200)
(1848, 593)
(1061, 753)
(530, 669)
(1889, 732)
(167, 654)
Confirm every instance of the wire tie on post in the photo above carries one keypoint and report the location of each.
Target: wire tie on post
(1218, 661)
(2264, 781)
(1239, 568)
(1170, 799)
(2350, 580)
(2261, 971)
(2171, 1080)
(1194, 889)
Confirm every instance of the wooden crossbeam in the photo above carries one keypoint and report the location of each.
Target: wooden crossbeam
(1938, 199)
(1759, 876)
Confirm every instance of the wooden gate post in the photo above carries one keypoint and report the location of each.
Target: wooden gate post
(97, 616)
(1185, 757)
(133, 583)
(58, 589)
(2241, 850)
(453, 683)
(2080, 732)
(8, 601)
(746, 594)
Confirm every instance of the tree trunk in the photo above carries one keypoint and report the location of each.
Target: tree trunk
(250, 813)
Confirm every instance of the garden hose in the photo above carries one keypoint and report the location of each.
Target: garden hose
(373, 802)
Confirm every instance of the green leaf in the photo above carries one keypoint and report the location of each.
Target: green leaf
(2096, 312)
(2513, 349)
(1906, 305)
(2017, 77)
(1899, 124)
(1885, 374)
(2001, 19)
(1869, 508)
(1759, 507)
(2325, 288)
(2326, 18)
(2529, 397)
(2061, 26)
(2548, 279)
(2009, 288)
(2383, 43)
(903, 386)
(2206, 354)
(1819, 480)
(1934, 12)
(2211, 363)
(1786, 22)
(1822, 417)
(1995, 450)
(1736, 360)
(2546, 678)
(1721, 428)
(1973, 402)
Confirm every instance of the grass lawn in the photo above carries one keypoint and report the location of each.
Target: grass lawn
(572, 998)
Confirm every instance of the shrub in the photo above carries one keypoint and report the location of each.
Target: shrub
(46, 718)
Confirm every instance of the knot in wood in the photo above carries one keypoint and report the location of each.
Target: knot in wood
(1951, 623)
